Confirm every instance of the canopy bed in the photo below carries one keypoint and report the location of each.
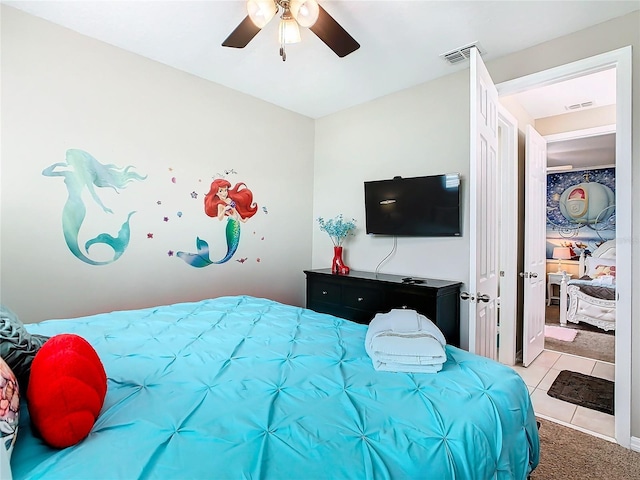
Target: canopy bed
(591, 298)
(245, 387)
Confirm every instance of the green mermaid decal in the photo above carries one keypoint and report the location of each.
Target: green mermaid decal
(236, 205)
(82, 171)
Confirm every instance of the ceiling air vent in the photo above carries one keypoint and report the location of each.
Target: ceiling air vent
(578, 106)
(461, 54)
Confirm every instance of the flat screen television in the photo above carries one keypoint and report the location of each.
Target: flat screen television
(418, 206)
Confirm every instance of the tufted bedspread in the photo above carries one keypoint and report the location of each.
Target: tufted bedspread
(244, 387)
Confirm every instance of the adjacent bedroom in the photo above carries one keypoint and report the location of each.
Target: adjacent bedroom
(580, 317)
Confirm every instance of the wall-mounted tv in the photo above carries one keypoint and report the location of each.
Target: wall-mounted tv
(418, 206)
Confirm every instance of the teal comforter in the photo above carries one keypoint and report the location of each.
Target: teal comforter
(243, 387)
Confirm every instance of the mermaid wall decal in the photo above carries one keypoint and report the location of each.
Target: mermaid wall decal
(236, 205)
(82, 171)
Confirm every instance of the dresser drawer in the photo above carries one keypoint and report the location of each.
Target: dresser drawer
(320, 291)
(362, 298)
(330, 308)
(412, 301)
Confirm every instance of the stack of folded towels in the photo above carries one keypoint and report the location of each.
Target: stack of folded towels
(405, 341)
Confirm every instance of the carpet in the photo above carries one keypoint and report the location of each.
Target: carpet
(591, 342)
(566, 453)
(560, 333)
(584, 390)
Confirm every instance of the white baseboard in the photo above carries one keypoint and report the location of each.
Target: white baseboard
(633, 445)
(580, 429)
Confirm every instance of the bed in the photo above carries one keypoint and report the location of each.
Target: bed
(244, 387)
(592, 297)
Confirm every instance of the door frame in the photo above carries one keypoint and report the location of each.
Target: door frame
(621, 60)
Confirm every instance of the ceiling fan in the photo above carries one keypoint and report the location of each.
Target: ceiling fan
(304, 13)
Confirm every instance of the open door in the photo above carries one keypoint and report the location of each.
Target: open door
(535, 258)
(483, 229)
(508, 236)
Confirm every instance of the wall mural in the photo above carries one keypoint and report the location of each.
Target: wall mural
(581, 211)
(82, 171)
(83, 175)
(236, 205)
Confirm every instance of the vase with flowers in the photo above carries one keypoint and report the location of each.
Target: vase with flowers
(338, 229)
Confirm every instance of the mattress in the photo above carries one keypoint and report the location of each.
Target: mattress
(244, 387)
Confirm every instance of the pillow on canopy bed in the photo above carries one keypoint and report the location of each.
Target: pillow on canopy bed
(598, 267)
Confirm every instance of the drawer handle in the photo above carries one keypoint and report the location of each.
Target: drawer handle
(324, 292)
(360, 299)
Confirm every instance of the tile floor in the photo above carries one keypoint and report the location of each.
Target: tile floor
(543, 371)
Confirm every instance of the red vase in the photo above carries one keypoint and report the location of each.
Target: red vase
(337, 266)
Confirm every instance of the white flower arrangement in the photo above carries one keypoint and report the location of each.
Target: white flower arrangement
(337, 228)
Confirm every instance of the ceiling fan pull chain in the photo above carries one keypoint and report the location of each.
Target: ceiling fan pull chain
(283, 54)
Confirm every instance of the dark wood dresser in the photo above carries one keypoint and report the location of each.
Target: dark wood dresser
(359, 295)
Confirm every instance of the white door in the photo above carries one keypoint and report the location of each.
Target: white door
(507, 236)
(483, 221)
(535, 258)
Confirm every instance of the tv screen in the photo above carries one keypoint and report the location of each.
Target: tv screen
(418, 206)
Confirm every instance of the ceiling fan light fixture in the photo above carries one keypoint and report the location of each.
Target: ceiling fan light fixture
(261, 11)
(305, 12)
(289, 31)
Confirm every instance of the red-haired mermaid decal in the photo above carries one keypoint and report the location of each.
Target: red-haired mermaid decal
(236, 205)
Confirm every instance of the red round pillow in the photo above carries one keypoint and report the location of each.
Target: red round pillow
(66, 390)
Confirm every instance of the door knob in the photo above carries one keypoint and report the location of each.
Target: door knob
(528, 275)
(466, 296)
(483, 298)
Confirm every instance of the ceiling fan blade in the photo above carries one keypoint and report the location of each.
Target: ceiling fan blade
(331, 33)
(242, 35)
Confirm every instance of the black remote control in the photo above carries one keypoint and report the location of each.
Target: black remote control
(412, 280)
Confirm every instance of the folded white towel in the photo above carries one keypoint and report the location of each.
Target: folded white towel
(404, 340)
(423, 351)
(403, 367)
(404, 322)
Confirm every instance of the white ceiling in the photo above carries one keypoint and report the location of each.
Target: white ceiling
(599, 89)
(401, 42)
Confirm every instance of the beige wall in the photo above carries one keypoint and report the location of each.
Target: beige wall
(61, 90)
(568, 122)
(419, 131)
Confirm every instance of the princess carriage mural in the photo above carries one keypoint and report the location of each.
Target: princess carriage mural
(580, 209)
